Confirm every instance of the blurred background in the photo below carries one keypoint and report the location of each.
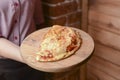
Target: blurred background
(99, 18)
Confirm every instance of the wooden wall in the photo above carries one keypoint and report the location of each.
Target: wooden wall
(104, 27)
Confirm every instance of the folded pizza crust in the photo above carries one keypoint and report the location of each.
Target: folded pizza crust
(58, 43)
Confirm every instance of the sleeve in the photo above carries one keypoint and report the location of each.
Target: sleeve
(1, 36)
(4, 32)
(38, 14)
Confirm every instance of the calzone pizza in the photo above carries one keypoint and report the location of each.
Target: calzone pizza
(58, 43)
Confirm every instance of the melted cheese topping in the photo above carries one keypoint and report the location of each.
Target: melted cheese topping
(56, 43)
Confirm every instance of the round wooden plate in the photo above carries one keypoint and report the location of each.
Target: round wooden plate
(30, 46)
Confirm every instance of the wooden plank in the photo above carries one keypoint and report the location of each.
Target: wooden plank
(104, 27)
(98, 74)
(105, 37)
(105, 66)
(84, 26)
(110, 2)
(107, 53)
(107, 22)
(107, 7)
(91, 76)
(83, 72)
(84, 17)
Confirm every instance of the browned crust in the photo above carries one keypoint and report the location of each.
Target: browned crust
(70, 52)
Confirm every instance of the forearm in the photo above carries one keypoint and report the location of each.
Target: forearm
(10, 50)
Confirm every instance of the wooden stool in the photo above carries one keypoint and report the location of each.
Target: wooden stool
(66, 69)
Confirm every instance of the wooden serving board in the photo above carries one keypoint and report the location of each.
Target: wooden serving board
(30, 46)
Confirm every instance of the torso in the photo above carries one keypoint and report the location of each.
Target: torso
(16, 19)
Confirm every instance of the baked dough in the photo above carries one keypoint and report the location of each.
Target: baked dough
(58, 43)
